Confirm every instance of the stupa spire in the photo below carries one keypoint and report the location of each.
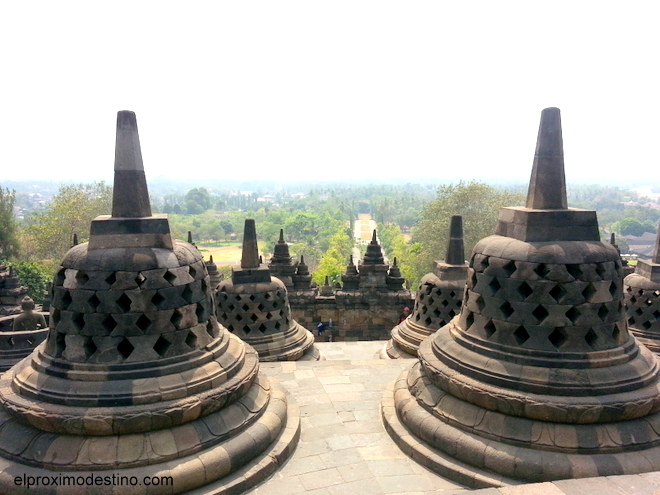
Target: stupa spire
(130, 197)
(250, 257)
(547, 186)
(455, 249)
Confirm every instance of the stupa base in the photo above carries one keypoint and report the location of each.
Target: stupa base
(245, 457)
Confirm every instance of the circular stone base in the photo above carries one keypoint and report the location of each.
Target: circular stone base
(392, 351)
(480, 461)
(230, 466)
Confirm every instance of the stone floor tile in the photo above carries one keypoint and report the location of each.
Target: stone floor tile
(399, 484)
(633, 484)
(321, 479)
(333, 379)
(390, 467)
(379, 452)
(532, 489)
(354, 472)
(324, 419)
(340, 457)
(302, 465)
(587, 486)
(357, 487)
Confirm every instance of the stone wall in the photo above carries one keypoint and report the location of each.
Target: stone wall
(355, 316)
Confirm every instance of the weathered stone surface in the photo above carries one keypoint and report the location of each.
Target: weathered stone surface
(254, 306)
(136, 376)
(538, 378)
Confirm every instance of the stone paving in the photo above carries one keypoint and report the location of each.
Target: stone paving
(344, 448)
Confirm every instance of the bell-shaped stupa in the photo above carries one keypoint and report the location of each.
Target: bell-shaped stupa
(136, 378)
(438, 299)
(281, 264)
(537, 379)
(254, 306)
(642, 296)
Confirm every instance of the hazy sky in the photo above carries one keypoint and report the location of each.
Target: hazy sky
(329, 90)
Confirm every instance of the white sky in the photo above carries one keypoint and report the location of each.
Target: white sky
(329, 90)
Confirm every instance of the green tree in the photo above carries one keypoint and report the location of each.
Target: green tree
(632, 226)
(8, 231)
(35, 276)
(197, 201)
(335, 259)
(48, 234)
(478, 203)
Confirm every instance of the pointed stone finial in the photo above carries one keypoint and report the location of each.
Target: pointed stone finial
(261, 260)
(547, 187)
(281, 236)
(211, 259)
(613, 239)
(373, 238)
(250, 257)
(350, 260)
(190, 239)
(455, 250)
(327, 281)
(130, 197)
(395, 261)
(75, 240)
(302, 259)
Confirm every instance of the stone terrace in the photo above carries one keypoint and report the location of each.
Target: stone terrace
(344, 448)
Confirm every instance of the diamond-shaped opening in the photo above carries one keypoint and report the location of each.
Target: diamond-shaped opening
(140, 279)
(507, 309)
(124, 302)
(616, 333)
(66, 300)
(646, 324)
(231, 307)
(278, 325)
(591, 337)
(254, 317)
(469, 320)
(261, 307)
(656, 314)
(176, 318)
(431, 301)
(540, 313)
(472, 281)
(524, 290)
(648, 302)
(417, 317)
(89, 347)
(656, 293)
(109, 323)
(428, 321)
(94, 302)
(633, 299)
(557, 292)
(169, 277)
(614, 288)
(252, 297)
(276, 305)
(451, 313)
(601, 270)
(59, 277)
(628, 289)
(603, 312)
(557, 337)
(262, 328)
(192, 271)
(483, 264)
(143, 323)
(639, 311)
(78, 321)
(494, 286)
(521, 335)
(161, 346)
(574, 270)
(640, 292)
(157, 299)
(81, 278)
(247, 329)
(239, 317)
(55, 317)
(200, 312)
(509, 267)
(267, 296)
(191, 340)
(125, 348)
(245, 307)
(572, 314)
(631, 321)
(111, 279)
(437, 312)
(589, 292)
(238, 297)
(187, 294)
(490, 328)
(542, 270)
(481, 304)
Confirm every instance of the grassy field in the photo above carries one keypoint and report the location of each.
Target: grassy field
(222, 254)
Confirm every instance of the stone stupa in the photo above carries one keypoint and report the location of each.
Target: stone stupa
(281, 264)
(136, 378)
(537, 378)
(438, 300)
(254, 306)
(642, 296)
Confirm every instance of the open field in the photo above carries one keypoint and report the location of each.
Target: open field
(222, 255)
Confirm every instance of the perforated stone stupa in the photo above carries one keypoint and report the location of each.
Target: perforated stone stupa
(438, 300)
(136, 377)
(642, 296)
(254, 306)
(538, 378)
